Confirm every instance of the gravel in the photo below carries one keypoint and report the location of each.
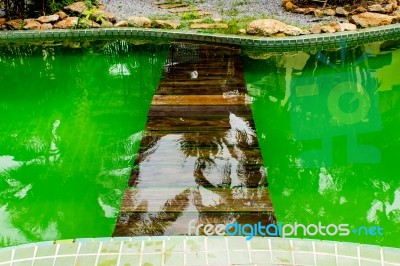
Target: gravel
(225, 9)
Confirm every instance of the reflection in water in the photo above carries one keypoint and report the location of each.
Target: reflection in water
(326, 182)
(329, 140)
(199, 159)
(54, 152)
(68, 138)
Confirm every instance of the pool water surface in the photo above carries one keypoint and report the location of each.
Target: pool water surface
(73, 118)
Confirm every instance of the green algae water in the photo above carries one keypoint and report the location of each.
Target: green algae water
(328, 123)
(72, 118)
(71, 122)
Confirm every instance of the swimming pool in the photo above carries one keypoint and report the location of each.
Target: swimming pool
(325, 121)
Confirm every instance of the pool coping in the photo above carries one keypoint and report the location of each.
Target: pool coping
(278, 44)
(205, 250)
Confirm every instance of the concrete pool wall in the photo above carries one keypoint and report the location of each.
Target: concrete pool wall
(282, 44)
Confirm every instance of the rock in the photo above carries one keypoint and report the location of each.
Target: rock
(324, 12)
(376, 8)
(292, 30)
(122, 23)
(166, 24)
(369, 19)
(347, 26)
(67, 23)
(47, 26)
(32, 25)
(103, 14)
(328, 29)
(48, 19)
(315, 29)
(304, 11)
(72, 44)
(340, 11)
(107, 24)
(289, 6)
(389, 8)
(329, 12)
(280, 34)
(358, 10)
(305, 32)
(61, 14)
(2, 22)
(84, 23)
(395, 14)
(217, 19)
(77, 7)
(335, 26)
(318, 13)
(271, 27)
(242, 31)
(15, 24)
(265, 27)
(209, 26)
(139, 22)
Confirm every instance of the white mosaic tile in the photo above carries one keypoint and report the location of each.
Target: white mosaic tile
(200, 250)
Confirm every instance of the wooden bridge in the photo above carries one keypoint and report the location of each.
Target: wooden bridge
(199, 157)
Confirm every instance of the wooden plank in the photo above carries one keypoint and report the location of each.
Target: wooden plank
(196, 83)
(199, 110)
(165, 200)
(193, 160)
(198, 100)
(201, 13)
(184, 72)
(217, 90)
(166, 2)
(202, 79)
(167, 223)
(189, 175)
(184, 9)
(195, 139)
(188, 124)
(252, 157)
(178, 124)
(203, 63)
(199, 88)
(169, 6)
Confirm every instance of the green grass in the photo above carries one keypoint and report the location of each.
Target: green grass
(189, 16)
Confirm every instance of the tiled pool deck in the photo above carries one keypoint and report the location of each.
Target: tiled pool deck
(197, 250)
(283, 44)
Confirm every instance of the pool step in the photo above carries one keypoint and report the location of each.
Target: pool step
(200, 110)
(189, 124)
(199, 157)
(155, 199)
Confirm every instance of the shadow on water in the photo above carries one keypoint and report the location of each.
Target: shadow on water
(70, 126)
(327, 123)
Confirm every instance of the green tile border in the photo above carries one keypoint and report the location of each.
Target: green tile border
(296, 43)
